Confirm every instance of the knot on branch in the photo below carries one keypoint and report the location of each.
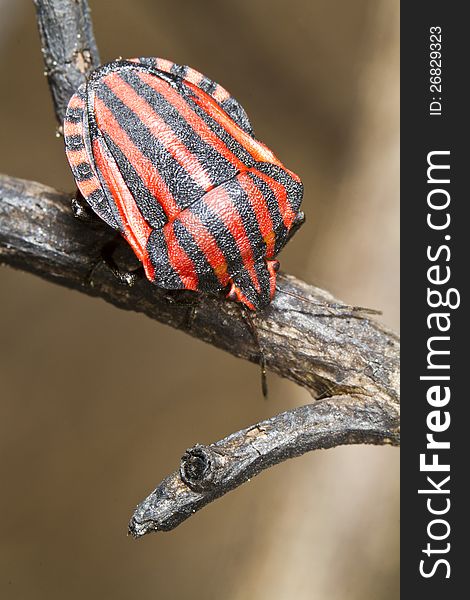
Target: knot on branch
(199, 468)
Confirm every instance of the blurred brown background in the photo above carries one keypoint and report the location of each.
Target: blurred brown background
(97, 405)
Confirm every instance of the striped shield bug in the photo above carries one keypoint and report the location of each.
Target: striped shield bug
(168, 158)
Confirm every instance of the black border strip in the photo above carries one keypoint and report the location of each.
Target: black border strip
(423, 132)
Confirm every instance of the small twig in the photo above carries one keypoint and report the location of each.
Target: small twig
(208, 472)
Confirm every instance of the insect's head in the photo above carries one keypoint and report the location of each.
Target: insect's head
(255, 284)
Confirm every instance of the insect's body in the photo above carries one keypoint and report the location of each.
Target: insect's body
(168, 158)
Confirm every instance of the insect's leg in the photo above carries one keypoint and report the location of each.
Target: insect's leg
(296, 225)
(191, 315)
(247, 316)
(81, 209)
(172, 297)
(128, 278)
(84, 213)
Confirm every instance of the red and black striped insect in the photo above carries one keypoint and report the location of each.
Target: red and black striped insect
(168, 158)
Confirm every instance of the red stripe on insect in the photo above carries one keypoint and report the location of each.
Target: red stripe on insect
(258, 151)
(136, 229)
(198, 124)
(179, 259)
(142, 165)
(193, 76)
(220, 94)
(162, 132)
(72, 128)
(273, 267)
(221, 204)
(206, 243)
(240, 296)
(88, 186)
(76, 157)
(76, 102)
(260, 208)
(279, 191)
(164, 65)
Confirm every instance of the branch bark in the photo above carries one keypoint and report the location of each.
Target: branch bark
(306, 335)
(208, 472)
(68, 47)
(348, 362)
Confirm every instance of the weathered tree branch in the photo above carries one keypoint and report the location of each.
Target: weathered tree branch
(325, 348)
(347, 361)
(208, 472)
(68, 47)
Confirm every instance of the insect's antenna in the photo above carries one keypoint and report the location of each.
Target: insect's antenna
(246, 314)
(332, 305)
